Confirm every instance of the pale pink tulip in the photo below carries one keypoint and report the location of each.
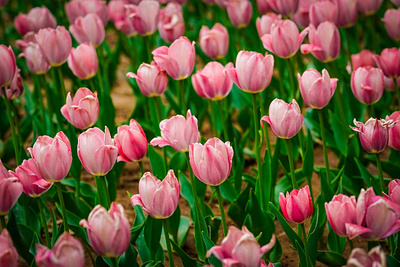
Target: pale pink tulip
(8, 253)
(322, 11)
(8, 65)
(301, 17)
(36, 19)
(10, 190)
(376, 257)
(239, 12)
(367, 84)
(151, 79)
(368, 7)
(35, 61)
(392, 23)
(89, 29)
(297, 206)
(83, 61)
(363, 59)
(347, 12)
(264, 23)
(389, 62)
(263, 6)
(116, 10)
(145, 20)
(131, 142)
(285, 7)
(80, 8)
(341, 210)
(15, 88)
(215, 41)
(125, 23)
(394, 191)
(394, 132)
(171, 24)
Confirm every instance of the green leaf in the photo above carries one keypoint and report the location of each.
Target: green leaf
(302, 255)
(312, 239)
(228, 192)
(335, 243)
(135, 231)
(76, 165)
(173, 223)
(326, 190)
(152, 234)
(19, 241)
(331, 258)
(178, 162)
(129, 258)
(392, 261)
(183, 230)
(308, 163)
(55, 228)
(368, 178)
(156, 162)
(275, 254)
(209, 244)
(340, 134)
(237, 209)
(73, 223)
(213, 225)
(187, 261)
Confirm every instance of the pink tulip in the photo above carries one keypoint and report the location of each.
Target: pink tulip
(370, 211)
(53, 155)
(284, 39)
(340, 211)
(264, 23)
(214, 42)
(212, 82)
(8, 253)
(315, 89)
(221, 3)
(394, 191)
(170, 1)
(146, 18)
(158, 198)
(80, 8)
(171, 24)
(284, 7)
(67, 251)
(323, 11)
(55, 45)
(296, 206)
(3, 3)
(125, 23)
(89, 29)
(389, 62)
(368, 7)
(239, 12)
(240, 248)
(15, 88)
(394, 132)
(177, 60)
(285, 119)
(116, 10)
(211, 162)
(36, 19)
(263, 6)
(392, 23)
(253, 71)
(178, 132)
(376, 257)
(396, 2)
(363, 59)
(97, 151)
(367, 84)
(374, 134)
(33, 183)
(301, 17)
(10, 190)
(109, 232)
(83, 110)
(131, 142)
(83, 61)
(8, 65)
(151, 79)
(35, 61)
(347, 12)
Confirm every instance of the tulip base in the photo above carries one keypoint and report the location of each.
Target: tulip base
(221, 209)
(114, 262)
(379, 165)
(11, 120)
(43, 222)
(182, 99)
(221, 111)
(291, 164)
(64, 211)
(168, 242)
(304, 236)
(2, 222)
(397, 89)
(260, 177)
(321, 122)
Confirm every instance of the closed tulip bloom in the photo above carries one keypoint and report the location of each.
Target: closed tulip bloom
(301, 17)
(394, 191)
(263, 6)
(158, 198)
(10, 190)
(389, 62)
(8, 65)
(55, 44)
(239, 12)
(264, 23)
(363, 59)
(240, 248)
(214, 42)
(178, 59)
(83, 110)
(131, 142)
(34, 59)
(53, 155)
(253, 71)
(109, 232)
(340, 211)
(394, 132)
(171, 24)
(80, 8)
(368, 7)
(97, 151)
(67, 251)
(89, 29)
(123, 21)
(316, 89)
(15, 88)
(374, 134)
(83, 61)
(151, 79)
(322, 11)
(392, 23)
(367, 84)
(296, 206)
(347, 12)
(36, 19)
(8, 253)
(396, 2)
(212, 82)
(178, 132)
(146, 18)
(285, 119)
(376, 257)
(285, 7)
(211, 162)
(116, 10)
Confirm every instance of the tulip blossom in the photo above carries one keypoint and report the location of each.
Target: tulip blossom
(83, 110)
(214, 42)
(178, 132)
(10, 190)
(285, 119)
(83, 61)
(239, 12)
(347, 12)
(253, 71)
(171, 25)
(212, 82)
(97, 151)
(389, 62)
(131, 142)
(367, 84)
(240, 248)
(376, 257)
(296, 206)
(178, 59)
(35, 61)
(368, 7)
(67, 251)
(264, 23)
(3, 3)
(79, 8)
(151, 79)
(301, 17)
(15, 88)
(392, 23)
(123, 21)
(8, 65)
(363, 59)
(263, 6)
(284, 7)
(158, 198)
(396, 2)
(109, 232)
(340, 211)
(89, 29)
(394, 132)
(145, 20)
(36, 19)
(321, 11)
(8, 253)
(394, 191)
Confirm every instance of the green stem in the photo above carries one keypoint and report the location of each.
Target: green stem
(114, 262)
(392, 246)
(12, 126)
(91, 82)
(43, 221)
(257, 149)
(213, 118)
(338, 95)
(303, 231)
(62, 84)
(39, 92)
(49, 106)
(379, 165)
(157, 103)
(64, 211)
(2, 222)
(292, 85)
(350, 243)
(265, 128)
(221, 209)
(321, 122)
(168, 242)
(98, 185)
(148, 52)
(182, 96)
(104, 184)
(291, 164)
(141, 168)
(370, 110)
(221, 110)
(397, 88)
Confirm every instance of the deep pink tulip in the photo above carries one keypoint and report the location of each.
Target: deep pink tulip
(239, 12)
(376, 257)
(145, 20)
(215, 41)
(67, 251)
(301, 17)
(374, 134)
(392, 23)
(264, 6)
(321, 11)
(8, 65)
(83, 110)
(36, 19)
(285, 7)
(15, 88)
(212, 82)
(347, 12)
(80, 8)
(178, 59)
(89, 29)
(316, 89)
(33, 183)
(240, 248)
(109, 232)
(253, 71)
(131, 142)
(8, 253)
(171, 24)
(53, 155)
(394, 132)
(285, 119)
(83, 61)
(340, 211)
(368, 7)
(10, 190)
(296, 206)
(35, 61)
(178, 132)
(97, 151)
(324, 42)
(264, 23)
(158, 198)
(211, 162)
(284, 39)
(55, 44)
(394, 191)
(396, 2)
(389, 62)
(151, 79)
(170, 1)
(3, 2)
(363, 59)
(367, 84)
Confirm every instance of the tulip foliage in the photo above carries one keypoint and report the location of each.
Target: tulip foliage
(200, 133)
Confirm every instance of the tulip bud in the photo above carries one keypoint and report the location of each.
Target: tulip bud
(125, 22)
(10, 190)
(389, 62)
(79, 8)
(284, 7)
(151, 79)
(394, 132)
(296, 206)
(131, 142)
(8, 65)
(367, 84)
(83, 61)
(214, 42)
(8, 253)
(376, 257)
(88, 29)
(171, 25)
(35, 61)
(368, 7)
(392, 23)
(322, 11)
(301, 16)
(37, 18)
(264, 23)
(15, 88)
(340, 211)
(263, 6)
(394, 191)
(347, 12)
(146, 18)
(239, 12)
(363, 59)
(116, 10)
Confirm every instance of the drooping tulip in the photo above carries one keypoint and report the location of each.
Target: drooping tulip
(145, 20)
(297, 206)
(264, 23)
(367, 84)
(10, 190)
(215, 41)
(376, 257)
(35, 61)
(88, 29)
(8, 66)
(171, 24)
(284, 7)
(83, 61)
(131, 142)
(80, 8)
(239, 12)
(321, 11)
(36, 19)
(392, 23)
(340, 211)
(8, 253)
(394, 132)
(151, 79)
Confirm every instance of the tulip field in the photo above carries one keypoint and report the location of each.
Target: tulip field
(225, 133)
